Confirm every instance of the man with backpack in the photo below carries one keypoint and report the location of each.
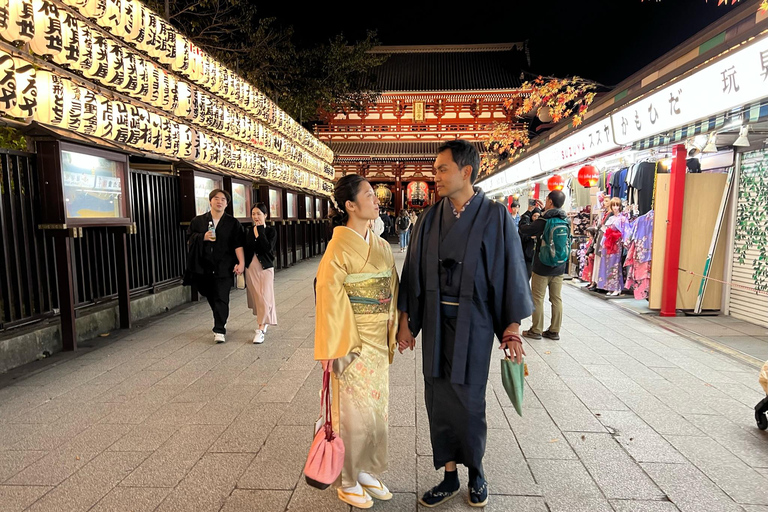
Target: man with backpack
(402, 225)
(549, 260)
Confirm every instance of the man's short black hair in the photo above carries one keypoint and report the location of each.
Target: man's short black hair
(463, 153)
(217, 191)
(557, 197)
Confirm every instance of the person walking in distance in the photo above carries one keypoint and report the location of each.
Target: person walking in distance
(215, 252)
(402, 225)
(552, 230)
(355, 327)
(260, 272)
(463, 282)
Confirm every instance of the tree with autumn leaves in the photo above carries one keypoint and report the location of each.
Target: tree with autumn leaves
(555, 98)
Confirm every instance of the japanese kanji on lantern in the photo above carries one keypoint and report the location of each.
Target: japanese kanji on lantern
(26, 90)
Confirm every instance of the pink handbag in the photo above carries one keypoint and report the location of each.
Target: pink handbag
(326, 455)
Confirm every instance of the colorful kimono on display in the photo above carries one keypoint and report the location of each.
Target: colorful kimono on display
(464, 280)
(638, 260)
(356, 297)
(610, 276)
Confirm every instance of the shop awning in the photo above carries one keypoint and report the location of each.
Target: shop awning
(750, 114)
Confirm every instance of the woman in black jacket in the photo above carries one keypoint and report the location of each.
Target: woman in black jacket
(260, 272)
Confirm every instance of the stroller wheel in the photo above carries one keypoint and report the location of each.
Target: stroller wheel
(761, 410)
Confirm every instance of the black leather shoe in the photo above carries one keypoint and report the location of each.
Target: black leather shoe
(550, 335)
(531, 335)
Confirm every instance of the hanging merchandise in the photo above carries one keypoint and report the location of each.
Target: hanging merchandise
(638, 261)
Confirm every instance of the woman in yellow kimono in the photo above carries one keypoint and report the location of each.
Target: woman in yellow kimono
(355, 327)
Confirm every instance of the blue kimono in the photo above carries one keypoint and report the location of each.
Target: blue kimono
(464, 280)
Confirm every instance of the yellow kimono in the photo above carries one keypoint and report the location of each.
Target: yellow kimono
(356, 300)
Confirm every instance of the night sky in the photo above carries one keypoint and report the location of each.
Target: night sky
(604, 40)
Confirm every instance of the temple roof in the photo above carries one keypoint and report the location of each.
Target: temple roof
(389, 149)
(451, 67)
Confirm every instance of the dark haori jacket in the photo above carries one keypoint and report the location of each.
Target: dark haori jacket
(211, 260)
(263, 247)
(536, 228)
(493, 289)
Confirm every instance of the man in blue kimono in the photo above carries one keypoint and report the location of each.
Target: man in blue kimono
(464, 280)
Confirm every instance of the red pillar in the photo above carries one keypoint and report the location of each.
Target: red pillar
(674, 229)
(536, 190)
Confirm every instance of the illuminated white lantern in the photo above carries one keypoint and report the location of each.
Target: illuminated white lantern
(26, 90)
(73, 105)
(134, 28)
(70, 41)
(7, 83)
(174, 142)
(126, 19)
(182, 60)
(94, 8)
(160, 45)
(50, 98)
(162, 89)
(115, 65)
(168, 55)
(75, 3)
(90, 119)
(47, 38)
(99, 52)
(121, 120)
(173, 93)
(111, 17)
(85, 58)
(155, 132)
(17, 24)
(134, 126)
(184, 104)
(150, 32)
(142, 78)
(185, 141)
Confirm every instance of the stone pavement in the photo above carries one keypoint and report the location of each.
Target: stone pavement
(619, 415)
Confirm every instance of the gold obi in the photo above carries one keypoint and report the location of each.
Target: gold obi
(369, 293)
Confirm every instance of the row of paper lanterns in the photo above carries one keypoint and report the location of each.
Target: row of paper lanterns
(52, 100)
(68, 41)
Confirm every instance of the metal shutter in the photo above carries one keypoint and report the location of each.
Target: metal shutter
(744, 304)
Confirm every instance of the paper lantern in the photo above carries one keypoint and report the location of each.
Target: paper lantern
(155, 140)
(111, 16)
(7, 83)
(94, 8)
(99, 62)
(17, 22)
(181, 62)
(555, 182)
(47, 39)
(90, 119)
(168, 56)
(70, 41)
(85, 57)
(147, 37)
(588, 176)
(73, 105)
(26, 90)
(121, 122)
(50, 98)
(125, 22)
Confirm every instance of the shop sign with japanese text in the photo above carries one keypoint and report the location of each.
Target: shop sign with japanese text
(739, 78)
(592, 140)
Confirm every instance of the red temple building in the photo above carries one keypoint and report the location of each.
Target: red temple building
(429, 94)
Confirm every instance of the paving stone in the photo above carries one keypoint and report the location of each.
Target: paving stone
(505, 468)
(283, 386)
(17, 497)
(144, 438)
(249, 431)
(578, 504)
(309, 499)
(208, 484)
(86, 487)
(402, 408)
(660, 417)
(566, 479)
(593, 394)
(538, 436)
(739, 481)
(63, 461)
(247, 500)
(280, 462)
(747, 444)
(168, 465)
(643, 506)
(11, 462)
(402, 460)
(617, 475)
(568, 412)
(688, 488)
(639, 440)
(135, 499)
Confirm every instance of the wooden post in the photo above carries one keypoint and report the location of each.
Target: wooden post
(63, 255)
(123, 284)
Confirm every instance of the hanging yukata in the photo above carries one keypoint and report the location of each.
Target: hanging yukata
(638, 261)
(610, 275)
(464, 280)
(356, 297)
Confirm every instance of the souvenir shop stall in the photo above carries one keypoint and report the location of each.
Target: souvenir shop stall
(679, 151)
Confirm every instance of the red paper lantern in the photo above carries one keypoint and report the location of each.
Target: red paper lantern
(588, 176)
(555, 182)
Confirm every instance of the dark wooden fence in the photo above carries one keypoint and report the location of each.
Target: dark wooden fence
(156, 253)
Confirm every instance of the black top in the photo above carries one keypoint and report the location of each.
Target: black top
(219, 258)
(644, 181)
(529, 244)
(263, 247)
(536, 228)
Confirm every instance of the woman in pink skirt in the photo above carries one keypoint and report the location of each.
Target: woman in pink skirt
(260, 272)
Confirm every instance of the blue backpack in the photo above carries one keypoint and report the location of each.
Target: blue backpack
(555, 244)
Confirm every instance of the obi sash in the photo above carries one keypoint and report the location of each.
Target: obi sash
(369, 293)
